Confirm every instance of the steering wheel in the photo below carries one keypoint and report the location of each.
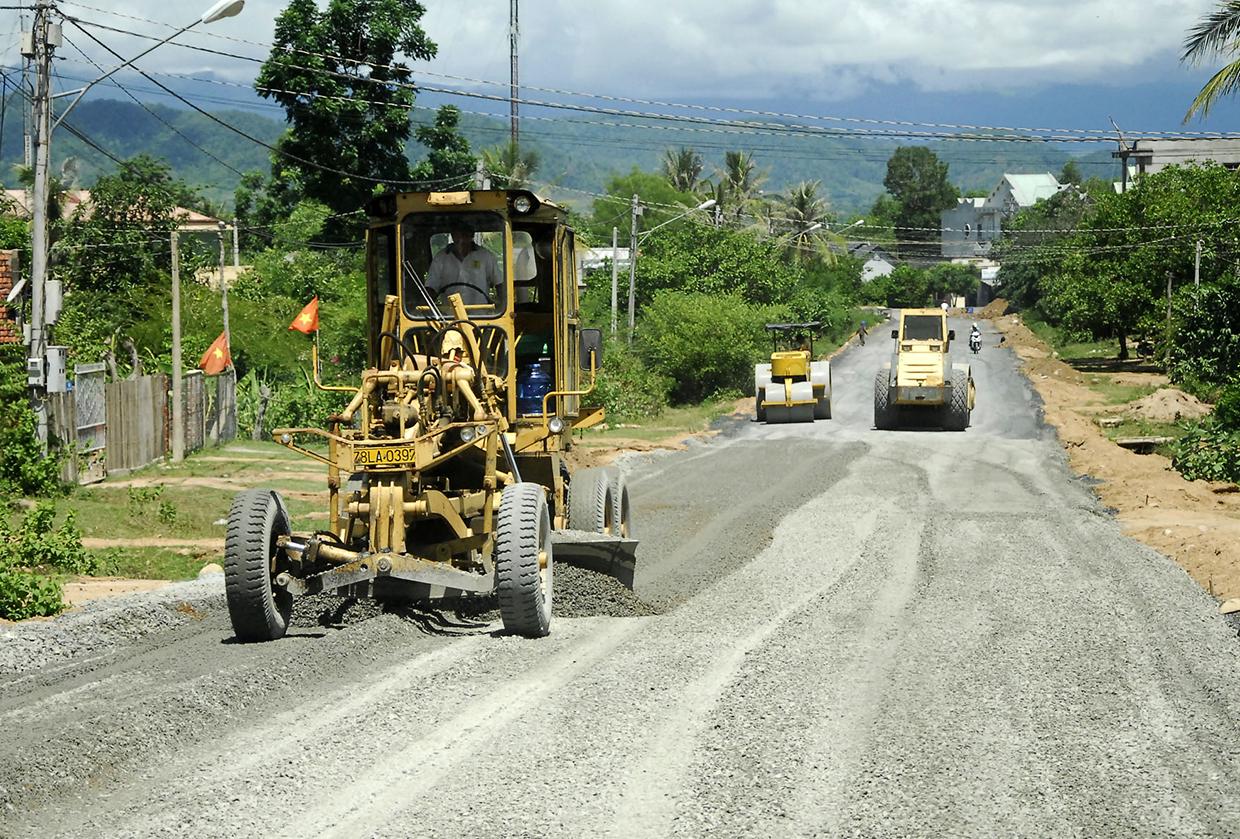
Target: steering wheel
(443, 292)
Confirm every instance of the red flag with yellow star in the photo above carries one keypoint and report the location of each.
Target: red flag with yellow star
(308, 320)
(217, 357)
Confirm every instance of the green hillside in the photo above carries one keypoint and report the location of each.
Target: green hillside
(576, 152)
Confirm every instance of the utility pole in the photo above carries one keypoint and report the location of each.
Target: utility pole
(236, 248)
(1167, 362)
(514, 33)
(224, 295)
(1197, 267)
(178, 409)
(636, 212)
(36, 359)
(615, 276)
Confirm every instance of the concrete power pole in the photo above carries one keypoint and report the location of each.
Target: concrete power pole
(178, 409)
(224, 293)
(1197, 267)
(236, 247)
(514, 32)
(615, 277)
(36, 360)
(636, 212)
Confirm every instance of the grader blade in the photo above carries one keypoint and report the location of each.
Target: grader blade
(604, 554)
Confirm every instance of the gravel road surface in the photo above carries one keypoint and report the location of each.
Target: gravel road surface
(837, 631)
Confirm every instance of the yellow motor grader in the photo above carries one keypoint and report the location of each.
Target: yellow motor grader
(921, 381)
(793, 387)
(446, 472)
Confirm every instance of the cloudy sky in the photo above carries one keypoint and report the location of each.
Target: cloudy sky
(1037, 62)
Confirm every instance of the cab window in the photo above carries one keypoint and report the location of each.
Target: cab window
(923, 328)
(453, 253)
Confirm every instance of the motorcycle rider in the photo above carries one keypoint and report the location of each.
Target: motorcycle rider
(975, 337)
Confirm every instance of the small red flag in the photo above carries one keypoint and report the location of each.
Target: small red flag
(217, 357)
(308, 320)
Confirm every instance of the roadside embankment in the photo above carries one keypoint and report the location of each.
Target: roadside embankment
(1196, 523)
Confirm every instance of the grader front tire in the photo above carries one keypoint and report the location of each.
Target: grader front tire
(957, 411)
(621, 524)
(258, 611)
(884, 411)
(523, 561)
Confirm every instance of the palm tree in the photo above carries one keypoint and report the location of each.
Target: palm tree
(1215, 35)
(509, 167)
(807, 213)
(739, 182)
(683, 168)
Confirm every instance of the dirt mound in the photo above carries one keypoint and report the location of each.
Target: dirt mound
(1168, 404)
(996, 308)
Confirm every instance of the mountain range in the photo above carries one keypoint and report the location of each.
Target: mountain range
(576, 153)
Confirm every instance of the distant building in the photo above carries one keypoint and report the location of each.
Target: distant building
(876, 262)
(10, 288)
(190, 221)
(1145, 157)
(969, 228)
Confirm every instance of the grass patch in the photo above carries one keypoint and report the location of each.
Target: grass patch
(683, 419)
(1115, 393)
(1072, 350)
(154, 563)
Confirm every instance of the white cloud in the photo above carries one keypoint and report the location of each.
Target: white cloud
(750, 50)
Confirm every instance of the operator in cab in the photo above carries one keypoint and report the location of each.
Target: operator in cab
(465, 268)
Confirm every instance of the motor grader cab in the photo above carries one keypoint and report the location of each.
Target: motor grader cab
(446, 473)
(921, 382)
(793, 387)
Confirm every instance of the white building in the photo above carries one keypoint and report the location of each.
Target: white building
(969, 228)
(877, 262)
(1150, 156)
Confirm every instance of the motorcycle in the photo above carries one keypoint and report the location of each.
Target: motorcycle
(975, 342)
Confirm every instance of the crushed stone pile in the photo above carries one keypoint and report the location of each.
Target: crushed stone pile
(1168, 404)
(996, 308)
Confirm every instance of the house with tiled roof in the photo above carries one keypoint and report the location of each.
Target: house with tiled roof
(969, 228)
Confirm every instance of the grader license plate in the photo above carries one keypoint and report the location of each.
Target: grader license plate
(383, 456)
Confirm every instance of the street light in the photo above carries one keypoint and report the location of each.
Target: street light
(221, 10)
(635, 240)
(45, 38)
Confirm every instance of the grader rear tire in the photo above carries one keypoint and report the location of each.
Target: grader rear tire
(884, 411)
(956, 417)
(591, 504)
(524, 565)
(258, 611)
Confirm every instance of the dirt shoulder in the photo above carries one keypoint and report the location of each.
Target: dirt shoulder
(1196, 523)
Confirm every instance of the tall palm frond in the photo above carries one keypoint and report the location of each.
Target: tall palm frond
(740, 181)
(1214, 35)
(509, 166)
(683, 168)
(805, 213)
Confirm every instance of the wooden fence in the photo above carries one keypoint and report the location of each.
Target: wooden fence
(116, 427)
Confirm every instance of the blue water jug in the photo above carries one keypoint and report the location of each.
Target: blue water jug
(533, 383)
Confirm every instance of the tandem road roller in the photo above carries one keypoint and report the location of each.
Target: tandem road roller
(446, 472)
(793, 387)
(921, 382)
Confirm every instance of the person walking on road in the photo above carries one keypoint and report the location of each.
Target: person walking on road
(861, 333)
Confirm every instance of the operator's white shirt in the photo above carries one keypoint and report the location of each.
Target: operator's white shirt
(472, 277)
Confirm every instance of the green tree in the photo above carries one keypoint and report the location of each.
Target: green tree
(660, 201)
(1031, 238)
(1071, 174)
(699, 258)
(509, 166)
(341, 76)
(449, 164)
(120, 239)
(1215, 35)
(683, 168)
(917, 179)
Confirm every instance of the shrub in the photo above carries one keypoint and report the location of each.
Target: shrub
(1227, 408)
(1208, 452)
(704, 343)
(24, 468)
(627, 388)
(29, 553)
